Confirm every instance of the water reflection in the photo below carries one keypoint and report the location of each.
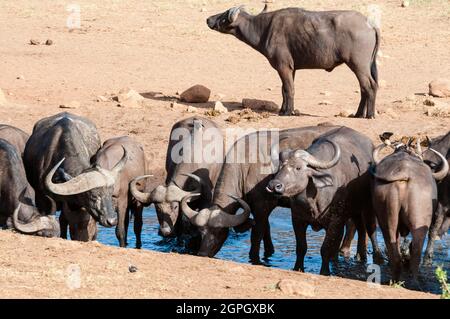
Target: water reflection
(237, 247)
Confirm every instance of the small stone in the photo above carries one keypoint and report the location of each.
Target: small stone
(132, 268)
(102, 98)
(219, 107)
(405, 4)
(191, 109)
(2, 98)
(203, 10)
(325, 102)
(429, 102)
(296, 112)
(196, 94)
(440, 88)
(233, 119)
(129, 98)
(345, 113)
(325, 93)
(20, 77)
(34, 42)
(411, 98)
(49, 42)
(296, 288)
(70, 105)
(260, 105)
(175, 105)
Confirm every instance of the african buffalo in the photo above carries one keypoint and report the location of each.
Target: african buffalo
(57, 159)
(17, 208)
(441, 218)
(182, 171)
(14, 136)
(330, 184)
(124, 203)
(293, 39)
(404, 196)
(248, 167)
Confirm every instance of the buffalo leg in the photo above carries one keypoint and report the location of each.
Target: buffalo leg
(418, 239)
(120, 228)
(361, 251)
(350, 230)
(369, 87)
(63, 224)
(370, 222)
(269, 250)
(301, 243)
(261, 214)
(286, 74)
(438, 220)
(137, 212)
(331, 244)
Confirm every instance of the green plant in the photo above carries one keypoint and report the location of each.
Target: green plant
(441, 276)
(397, 284)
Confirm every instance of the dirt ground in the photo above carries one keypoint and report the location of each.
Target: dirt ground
(159, 48)
(57, 268)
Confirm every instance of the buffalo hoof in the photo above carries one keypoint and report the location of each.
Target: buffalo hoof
(345, 253)
(286, 113)
(269, 252)
(361, 257)
(378, 258)
(428, 260)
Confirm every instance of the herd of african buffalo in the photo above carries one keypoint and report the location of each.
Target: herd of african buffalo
(331, 177)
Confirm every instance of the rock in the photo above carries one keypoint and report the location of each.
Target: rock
(20, 77)
(411, 98)
(429, 102)
(212, 112)
(102, 98)
(325, 93)
(405, 4)
(219, 107)
(440, 88)
(49, 42)
(34, 42)
(440, 110)
(191, 109)
(196, 94)
(2, 98)
(129, 98)
(233, 119)
(296, 288)
(70, 105)
(345, 113)
(175, 105)
(260, 105)
(296, 112)
(203, 10)
(325, 102)
(132, 268)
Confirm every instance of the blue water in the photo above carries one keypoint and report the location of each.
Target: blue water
(237, 246)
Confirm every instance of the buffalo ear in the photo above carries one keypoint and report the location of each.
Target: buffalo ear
(321, 180)
(62, 176)
(284, 155)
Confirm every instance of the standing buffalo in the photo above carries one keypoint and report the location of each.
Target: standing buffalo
(441, 218)
(58, 164)
(293, 39)
(247, 169)
(404, 198)
(106, 158)
(17, 197)
(187, 137)
(14, 136)
(330, 183)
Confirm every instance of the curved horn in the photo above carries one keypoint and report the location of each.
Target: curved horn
(37, 224)
(442, 173)
(144, 198)
(81, 183)
(316, 163)
(176, 194)
(120, 164)
(194, 217)
(221, 219)
(215, 218)
(376, 153)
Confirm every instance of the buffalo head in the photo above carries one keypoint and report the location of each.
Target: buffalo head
(213, 223)
(225, 22)
(299, 168)
(166, 200)
(45, 226)
(91, 190)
